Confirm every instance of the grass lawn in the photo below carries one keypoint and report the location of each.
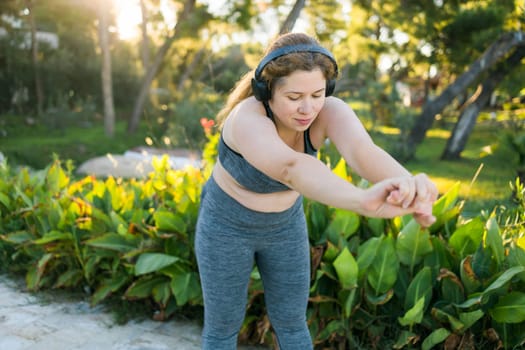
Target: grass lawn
(35, 145)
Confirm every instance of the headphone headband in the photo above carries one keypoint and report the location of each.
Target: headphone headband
(286, 50)
(260, 88)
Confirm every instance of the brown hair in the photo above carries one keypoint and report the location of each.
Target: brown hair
(280, 67)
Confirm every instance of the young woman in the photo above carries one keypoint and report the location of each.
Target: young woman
(275, 120)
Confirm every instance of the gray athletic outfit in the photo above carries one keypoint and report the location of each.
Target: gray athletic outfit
(231, 237)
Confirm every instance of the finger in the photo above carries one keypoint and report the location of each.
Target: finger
(424, 220)
(409, 191)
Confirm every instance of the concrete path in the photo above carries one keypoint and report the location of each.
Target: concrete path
(29, 322)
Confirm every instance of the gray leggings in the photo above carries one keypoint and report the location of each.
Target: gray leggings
(229, 238)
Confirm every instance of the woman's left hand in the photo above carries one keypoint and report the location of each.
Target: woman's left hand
(419, 193)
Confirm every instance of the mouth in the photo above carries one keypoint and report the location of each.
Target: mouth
(303, 121)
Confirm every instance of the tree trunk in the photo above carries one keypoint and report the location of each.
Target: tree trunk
(462, 130)
(493, 54)
(107, 88)
(145, 38)
(290, 21)
(155, 65)
(39, 91)
(189, 70)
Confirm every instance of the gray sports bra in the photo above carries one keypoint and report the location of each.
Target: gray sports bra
(250, 177)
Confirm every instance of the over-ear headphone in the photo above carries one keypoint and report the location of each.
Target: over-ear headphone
(260, 88)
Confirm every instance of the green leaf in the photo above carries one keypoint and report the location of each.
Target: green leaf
(377, 225)
(494, 241)
(413, 315)
(366, 253)
(109, 286)
(344, 224)
(151, 262)
(467, 238)
(52, 236)
(446, 201)
(420, 287)
(18, 237)
(442, 316)
(143, 287)
(382, 273)
(70, 278)
(469, 318)
(510, 308)
(405, 339)
(4, 199)
(412, 244)
(504, 278)
(346, 269)
(435, 338)
(162, 293)
(56, 178)
(115, 242)
(168, 221)
(186, 287)
(516, 257)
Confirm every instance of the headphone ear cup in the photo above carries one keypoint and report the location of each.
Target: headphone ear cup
(260, 90)
(330, 87)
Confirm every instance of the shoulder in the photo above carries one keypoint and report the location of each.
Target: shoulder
(336, 106)
(247, 118)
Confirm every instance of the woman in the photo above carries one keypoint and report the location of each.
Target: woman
(251, 211)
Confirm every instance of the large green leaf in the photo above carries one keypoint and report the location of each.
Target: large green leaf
(109, 286)
(412, 244)
(467, 238)
(516, 257)
(500, 282)
(151, 262)
(186, 287)
(143, 287)
(510, 308)
(114, 241)
(56, 178)
(494, 241)
(382, 272)
(168, 221)
(366, 254)
(346, 269)
(344, 224)
(436, 337)
(420, 287)
(53, 236)
(5, 201)
(414, 315)
(17, 237)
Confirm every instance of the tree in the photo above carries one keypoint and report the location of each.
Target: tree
(458, 139)
(182, 17)
(292, 17)
(497, 50)
(39, 92)
(105, 72)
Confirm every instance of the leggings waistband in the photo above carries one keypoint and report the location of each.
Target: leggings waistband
(224, 207)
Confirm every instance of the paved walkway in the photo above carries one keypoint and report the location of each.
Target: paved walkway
(29, 322)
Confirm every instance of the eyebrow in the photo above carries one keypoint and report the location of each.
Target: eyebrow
(302, 93)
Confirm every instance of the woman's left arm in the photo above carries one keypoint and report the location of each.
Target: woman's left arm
(345, 130)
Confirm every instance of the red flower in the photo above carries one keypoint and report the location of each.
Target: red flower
(207, 125)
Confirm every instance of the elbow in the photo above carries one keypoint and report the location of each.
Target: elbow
(287, 172)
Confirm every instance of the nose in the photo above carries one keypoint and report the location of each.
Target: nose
(305, 107)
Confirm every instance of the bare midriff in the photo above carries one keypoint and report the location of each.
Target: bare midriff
(263, 202)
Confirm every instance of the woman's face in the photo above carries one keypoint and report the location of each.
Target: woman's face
(298, 98)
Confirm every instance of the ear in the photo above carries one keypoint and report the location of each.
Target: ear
(260, 90)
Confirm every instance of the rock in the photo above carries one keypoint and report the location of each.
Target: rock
(137, 163)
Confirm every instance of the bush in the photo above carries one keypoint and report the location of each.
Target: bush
(375, 283)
